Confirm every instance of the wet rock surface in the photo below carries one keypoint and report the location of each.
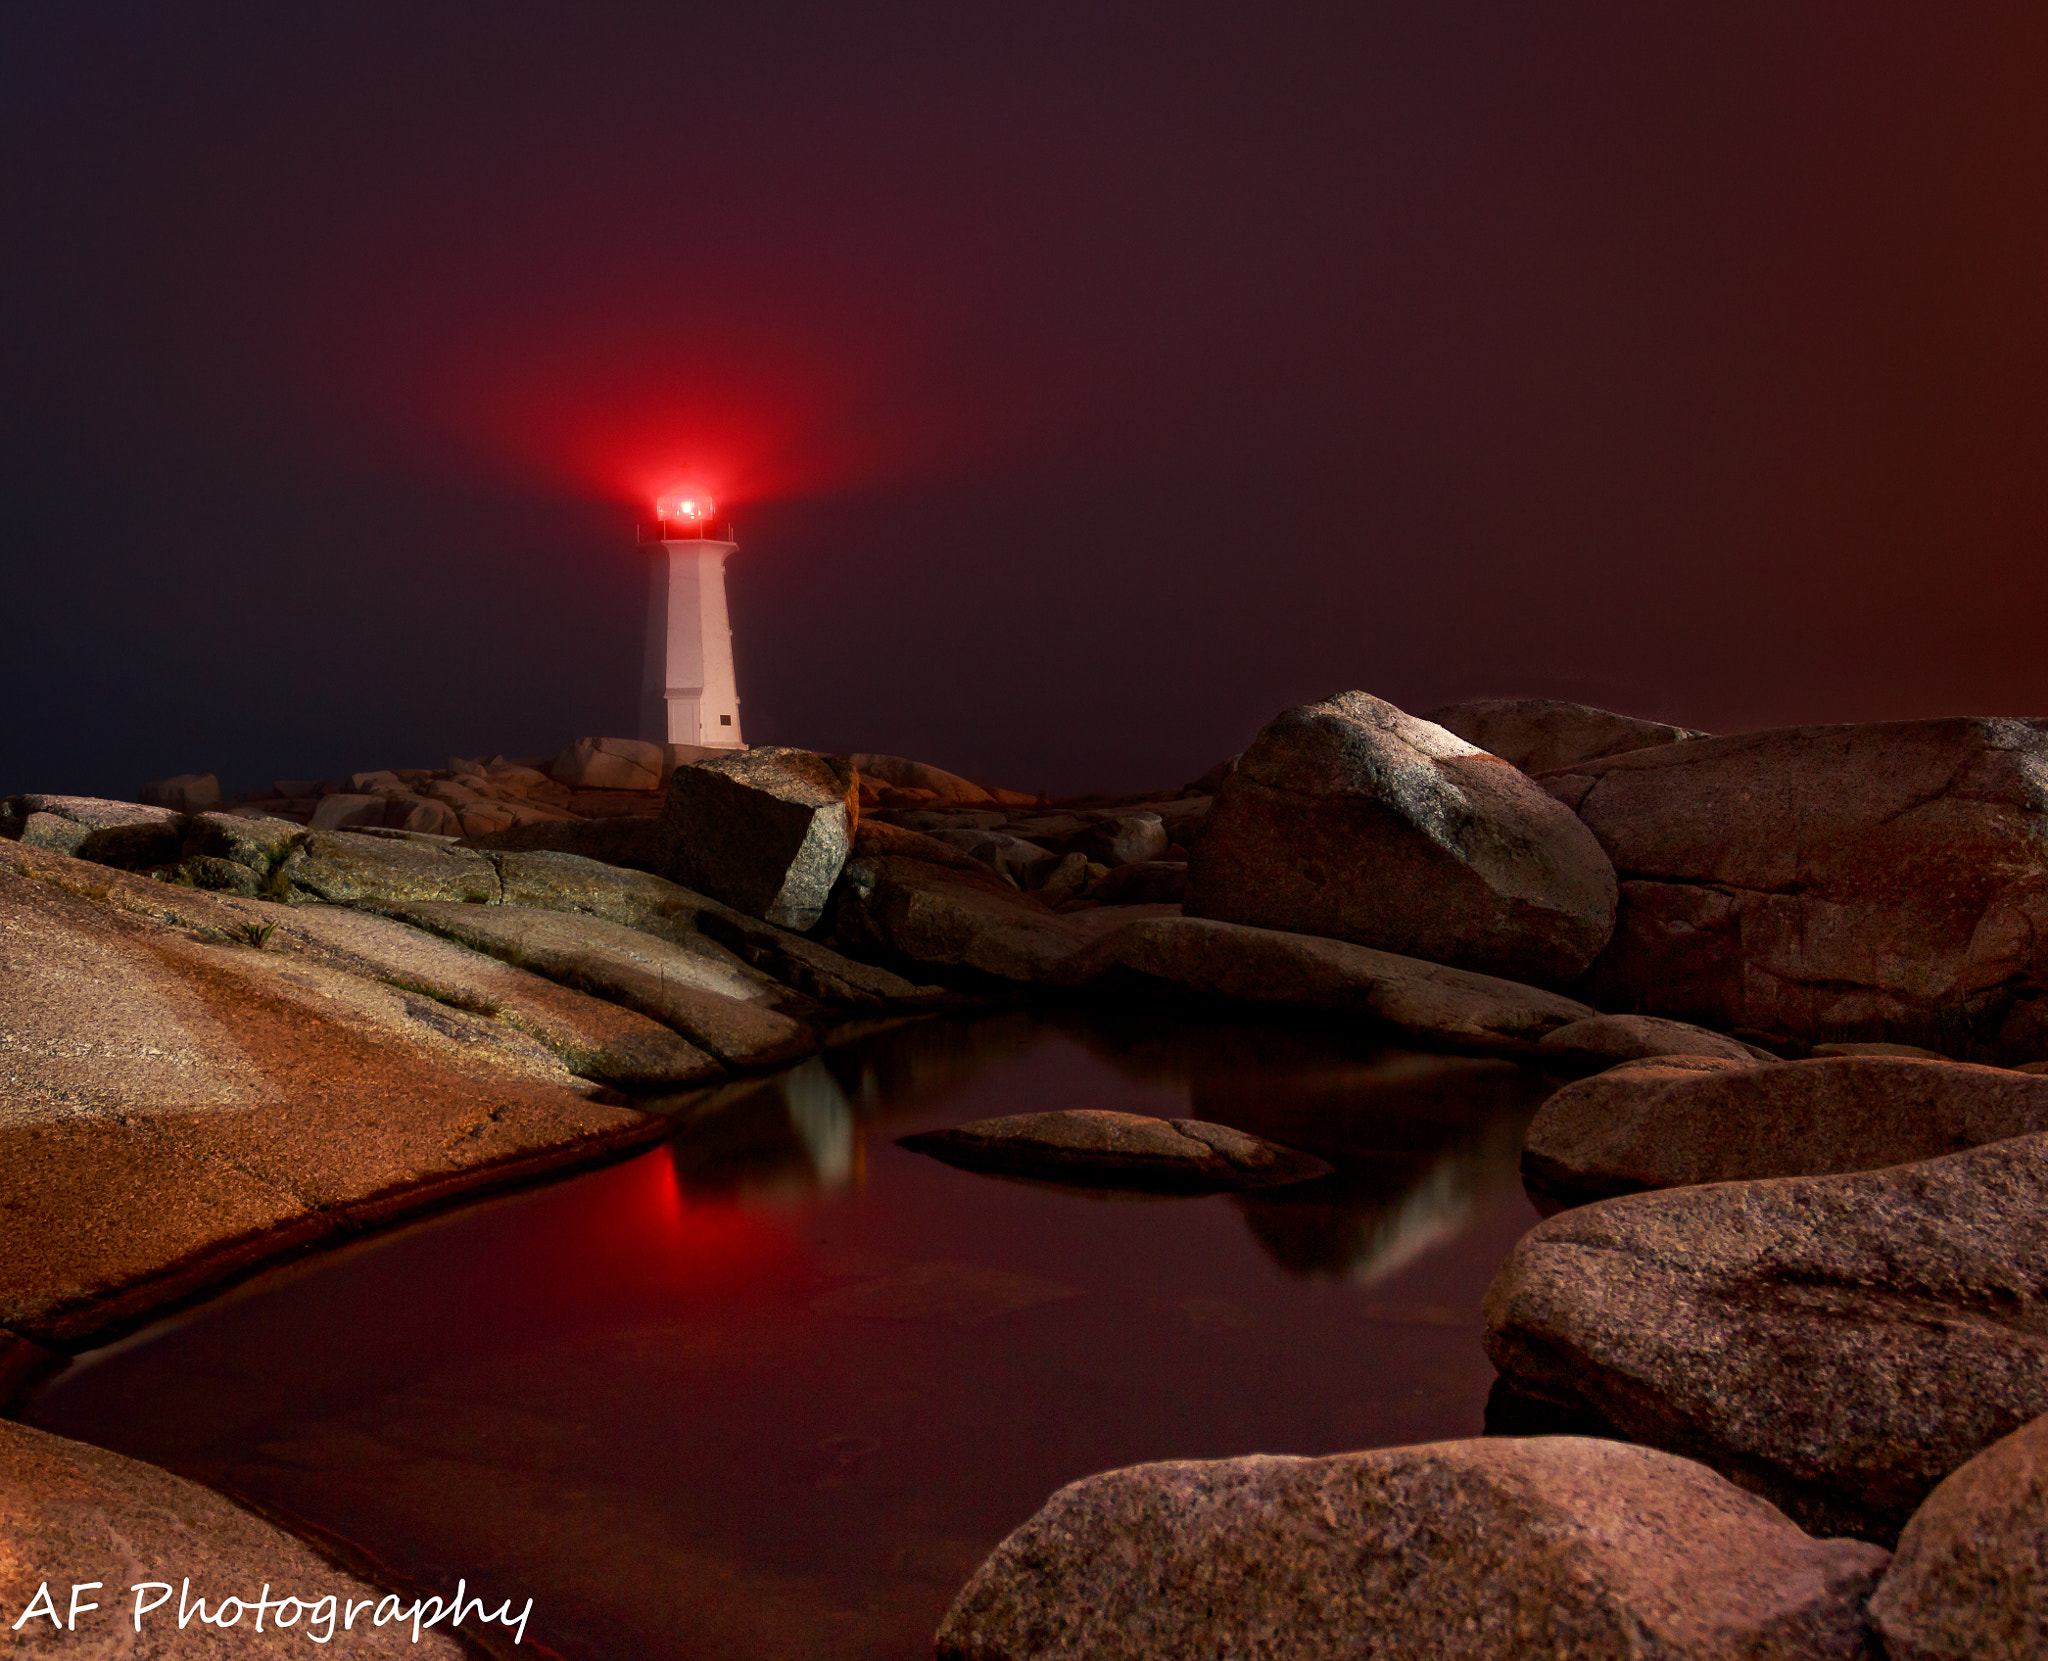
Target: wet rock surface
(1092, 1145)
(1549, 1546)
(1354, 820)
(1839, 1344)
(1655, 1124)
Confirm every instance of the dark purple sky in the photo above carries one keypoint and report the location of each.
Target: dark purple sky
(1087, 382)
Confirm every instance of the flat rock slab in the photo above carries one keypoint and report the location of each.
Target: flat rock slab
(1839, 1344)
(654, 905)
(595, 1037)
(179, 1106)
(1639, 1037)
(70, 1513)
(1427, 1001)
(370, 870)
(1670, 1123)
(1971, 1575)
(718, 1004)
(1124, 1150)
(1455, 1551)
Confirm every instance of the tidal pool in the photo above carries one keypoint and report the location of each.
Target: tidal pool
(775, 1388)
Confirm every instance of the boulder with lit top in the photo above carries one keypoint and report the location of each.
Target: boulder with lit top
(765, 831)
(1353, 819)
(1544, 735)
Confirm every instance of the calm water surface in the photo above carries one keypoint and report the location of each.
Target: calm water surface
(774, 1389)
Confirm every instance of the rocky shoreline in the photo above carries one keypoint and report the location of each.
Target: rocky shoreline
(1788, 983)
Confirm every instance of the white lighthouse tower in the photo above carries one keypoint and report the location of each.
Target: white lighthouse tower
(687, 691)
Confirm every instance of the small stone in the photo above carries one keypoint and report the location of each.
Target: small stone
(1126, 1150)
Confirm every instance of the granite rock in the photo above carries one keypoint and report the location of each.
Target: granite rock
(1352, 819)
(1121, 1150)
(1970, 1578)
(1182, 956)
(1887, 880)
(70, 1512)
(766, 832)
(1452, 1551)
(1546, 735)
(1838, 1344)
(1657, 1124)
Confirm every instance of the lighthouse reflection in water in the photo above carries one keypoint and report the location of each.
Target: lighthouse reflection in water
(775, 1388)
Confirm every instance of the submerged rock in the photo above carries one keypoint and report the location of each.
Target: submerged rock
(1455, 1551)
(1352, 819)
(1661, 1124)
(766, 831)
(1971, 1575)
(1125, 1150)
(1838, 1344)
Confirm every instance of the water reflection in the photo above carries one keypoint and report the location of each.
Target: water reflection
(1418, 1139)
(773, 1390)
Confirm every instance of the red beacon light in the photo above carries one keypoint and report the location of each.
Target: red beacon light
(684, 511)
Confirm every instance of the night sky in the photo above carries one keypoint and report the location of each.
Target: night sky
(1086, 382)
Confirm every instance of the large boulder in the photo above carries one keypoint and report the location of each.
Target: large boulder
(1838, 1344)
(1351, 819)
(1179, 957)
(1454, 1551)
(766, 831)
(1671, 1122)
(1884, 880)
(1971, 1575)
(1544, 735)
(1121, 1150)
(72, 1513)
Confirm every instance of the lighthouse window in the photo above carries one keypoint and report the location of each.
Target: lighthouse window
(725, 720)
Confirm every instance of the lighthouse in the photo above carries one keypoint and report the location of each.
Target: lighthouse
(687, 691)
